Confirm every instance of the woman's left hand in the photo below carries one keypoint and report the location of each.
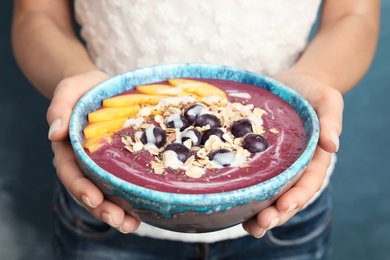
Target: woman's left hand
(328, 104)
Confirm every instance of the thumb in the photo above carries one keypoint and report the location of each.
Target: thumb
(66, 95)
(330, 117)
(58, 116)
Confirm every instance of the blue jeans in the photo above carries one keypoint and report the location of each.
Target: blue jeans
(77, 235)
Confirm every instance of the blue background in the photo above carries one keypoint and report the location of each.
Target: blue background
(361, 181)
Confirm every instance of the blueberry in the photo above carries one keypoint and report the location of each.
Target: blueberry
(182, 152)
(212, 131)
(192, 112)
(154, 135)
(177, 121)
(223, 157)
(255, 143)
(241, 127)
(194, 135)
(207, 119)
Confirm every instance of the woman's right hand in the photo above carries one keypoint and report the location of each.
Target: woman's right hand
(66, 95)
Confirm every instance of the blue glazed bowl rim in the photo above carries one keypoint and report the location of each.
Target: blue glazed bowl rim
(163, 72)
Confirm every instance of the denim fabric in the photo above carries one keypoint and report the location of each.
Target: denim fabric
(77, 235)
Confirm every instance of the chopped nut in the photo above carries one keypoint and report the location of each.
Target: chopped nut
(129, 148)
(259, 129)
(195, 148)
(189, 161)
(163, 126)
(203, 161)
(238, 141)
(144, 126)
(159, 119)
(218, 143)
(144, 112)
(171, 136)
(154, 151)
(138, 146)
(202, 153)
(159, 170)
(228, 137)
(196, 163)
(188, 143)
(127, 140)
(195, 172)
(258, 112)
(174, 110)
(213, 99)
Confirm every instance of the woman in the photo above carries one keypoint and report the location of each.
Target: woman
(268, 37)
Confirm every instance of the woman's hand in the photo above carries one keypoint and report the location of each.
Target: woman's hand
(319, 76)
(66, 95)
(328, 103)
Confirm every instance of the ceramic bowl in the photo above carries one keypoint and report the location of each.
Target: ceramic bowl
(190, 212)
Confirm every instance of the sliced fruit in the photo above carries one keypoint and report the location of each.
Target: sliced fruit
(110, 113)
(132, 99)
(95, 143)
(215, 100)
(199, 88)
(159, 89)
(103, 128)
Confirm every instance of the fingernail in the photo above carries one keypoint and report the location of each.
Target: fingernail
(245, 227)
(258, 232)
(122, 231)
(87, 202)
(274, 222)
(334, 137)
(292, 207)
(108, 219)
(55, 125)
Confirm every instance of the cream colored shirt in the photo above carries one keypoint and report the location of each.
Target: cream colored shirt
(265, 36)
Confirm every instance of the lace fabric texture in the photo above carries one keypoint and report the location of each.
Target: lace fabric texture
(264, 36)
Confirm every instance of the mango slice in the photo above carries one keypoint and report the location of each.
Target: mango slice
(95, 143)
(103, 128)
(132, 99)
(159, 89)
(199, 88)
(110, 113)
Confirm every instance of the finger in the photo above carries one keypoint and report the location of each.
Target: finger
(114, 216)
(266, 220)
(272, 217)
(129, 224)
(253, 228)
(73, 179)
(87, 193)
(308, 184)
(108, 212)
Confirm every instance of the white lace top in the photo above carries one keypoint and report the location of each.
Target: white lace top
(265, 36)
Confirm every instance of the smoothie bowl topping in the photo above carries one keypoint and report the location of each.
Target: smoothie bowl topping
(187, 126)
